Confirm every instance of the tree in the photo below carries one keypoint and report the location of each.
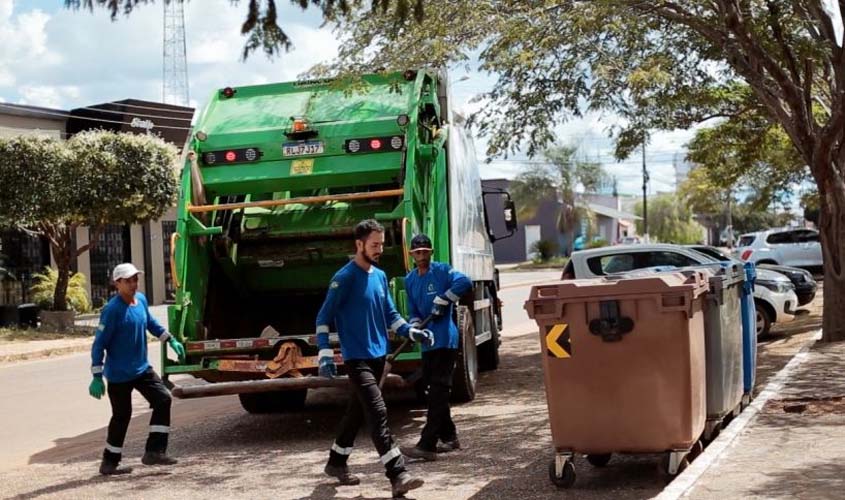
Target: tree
(261, 24)
(670, 220)
(556, 179)
(50, 188)
(660, 65)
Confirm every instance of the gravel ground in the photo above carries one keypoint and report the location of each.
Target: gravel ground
(228, 453)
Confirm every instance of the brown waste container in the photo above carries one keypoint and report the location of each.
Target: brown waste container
(624, 367)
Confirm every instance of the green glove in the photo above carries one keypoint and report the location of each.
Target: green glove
(97, 388)
(178, 348)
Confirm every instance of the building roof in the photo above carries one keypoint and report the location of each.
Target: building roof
(612, 212)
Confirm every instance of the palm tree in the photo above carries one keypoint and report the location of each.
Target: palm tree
(556, 179)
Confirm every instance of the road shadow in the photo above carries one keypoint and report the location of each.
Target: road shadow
(817, 480)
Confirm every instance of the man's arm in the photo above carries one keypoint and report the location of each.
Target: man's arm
(459, 284)
(338, 288)
(394, 320)
(154, 327)
(416, 315)
(102, 337)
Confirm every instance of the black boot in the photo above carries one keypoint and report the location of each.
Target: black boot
(157, 458)
(109, 465)
(418, 453)
(341, 473)
(447, 446)
(403, 483)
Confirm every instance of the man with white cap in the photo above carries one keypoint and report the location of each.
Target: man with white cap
(121, 337)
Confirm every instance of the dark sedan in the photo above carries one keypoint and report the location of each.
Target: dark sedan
(805, 285)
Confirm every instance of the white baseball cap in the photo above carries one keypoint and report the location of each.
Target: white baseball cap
(123, 271)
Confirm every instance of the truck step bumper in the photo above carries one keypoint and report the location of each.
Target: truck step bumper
(279, 384)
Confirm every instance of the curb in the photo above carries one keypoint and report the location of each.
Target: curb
(45, 353)
(687, 480)
(527, 283)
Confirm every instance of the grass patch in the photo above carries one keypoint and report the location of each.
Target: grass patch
(27, 334)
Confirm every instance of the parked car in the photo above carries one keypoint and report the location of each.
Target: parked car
(630, 240)
(774, 296)
(803, 281)
(785, 247)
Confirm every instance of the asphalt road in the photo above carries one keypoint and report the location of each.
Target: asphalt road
(53, 433)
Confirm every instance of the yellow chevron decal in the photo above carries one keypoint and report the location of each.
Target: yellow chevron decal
(557, 341)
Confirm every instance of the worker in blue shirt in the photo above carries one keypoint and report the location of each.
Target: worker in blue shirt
(359, 305)
(121, 337)
(433, 288)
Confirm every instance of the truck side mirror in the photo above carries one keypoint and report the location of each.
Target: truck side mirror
(508, 213)
(510, 216)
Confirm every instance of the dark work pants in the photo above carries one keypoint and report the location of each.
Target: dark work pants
(120, 395)
(438, 366)
(367, 404)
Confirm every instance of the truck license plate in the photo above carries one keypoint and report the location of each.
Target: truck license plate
(302, 148)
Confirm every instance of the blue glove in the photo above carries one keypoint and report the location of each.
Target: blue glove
(424, 337)
(326, 360)
(440, 306)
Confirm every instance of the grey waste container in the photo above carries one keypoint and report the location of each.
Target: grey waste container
(723, 344)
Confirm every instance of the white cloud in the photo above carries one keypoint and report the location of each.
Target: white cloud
(23, 42)
(47, 96)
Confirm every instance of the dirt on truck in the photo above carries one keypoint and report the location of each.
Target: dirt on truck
(275, 178)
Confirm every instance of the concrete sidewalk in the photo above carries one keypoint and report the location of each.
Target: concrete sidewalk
(794, 447)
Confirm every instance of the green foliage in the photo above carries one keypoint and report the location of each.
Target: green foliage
(261, 24)
(556, 180)
(545, 249)
(747, 218)
(52, 187)
(669, 221)
(44, 287)
(746, 153)
(598, 243)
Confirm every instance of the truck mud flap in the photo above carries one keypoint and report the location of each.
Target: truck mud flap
(279, 384)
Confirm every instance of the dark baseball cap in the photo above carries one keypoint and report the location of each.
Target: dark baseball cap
(421, 242)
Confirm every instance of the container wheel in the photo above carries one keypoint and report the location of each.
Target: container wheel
(273, 402)
(666, 465)
(466, 368)
(599, 460)
(568, 477)
(696, 449)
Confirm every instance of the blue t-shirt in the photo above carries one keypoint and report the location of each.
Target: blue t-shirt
(121, 336)
(359, 304)
(440, 280)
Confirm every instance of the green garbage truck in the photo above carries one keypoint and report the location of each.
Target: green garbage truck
(274, 180)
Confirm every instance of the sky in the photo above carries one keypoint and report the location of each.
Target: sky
(58, 58)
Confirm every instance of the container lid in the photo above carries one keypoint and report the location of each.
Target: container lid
(694, 283)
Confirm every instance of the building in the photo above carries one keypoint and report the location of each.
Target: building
(612, 223)
(145, 245)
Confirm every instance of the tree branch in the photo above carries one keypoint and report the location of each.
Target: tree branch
(93, 234)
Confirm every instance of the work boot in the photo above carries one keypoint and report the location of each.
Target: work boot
(110, 468)
(419, 453)
(157, 458)
(447, 446)
(403, 483)
(341, 473)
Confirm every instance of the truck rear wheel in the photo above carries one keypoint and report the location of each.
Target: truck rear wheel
(273, 402)
(488, 352)
(466, 368)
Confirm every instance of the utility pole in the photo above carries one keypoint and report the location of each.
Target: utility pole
(645, 196)
(175, 70)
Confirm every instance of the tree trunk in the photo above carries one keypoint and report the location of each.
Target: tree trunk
(832, 230)
(61, 243)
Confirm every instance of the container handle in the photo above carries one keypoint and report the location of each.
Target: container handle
(611, 325)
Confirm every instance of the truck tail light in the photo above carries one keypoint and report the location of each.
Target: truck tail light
(244, 155)
(374, 144)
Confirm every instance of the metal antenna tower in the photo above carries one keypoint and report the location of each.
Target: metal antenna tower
(175, 74)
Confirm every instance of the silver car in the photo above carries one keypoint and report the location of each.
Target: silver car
(784, 247)
(774, 296)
